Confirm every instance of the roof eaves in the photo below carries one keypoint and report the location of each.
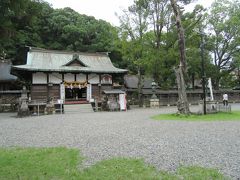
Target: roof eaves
(120, 71)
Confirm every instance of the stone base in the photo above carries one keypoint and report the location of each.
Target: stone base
(23, 110)
(211, 107)
(23, 113)
(50, 109)
(154, 102)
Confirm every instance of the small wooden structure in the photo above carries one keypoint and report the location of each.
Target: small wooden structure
(112, 100)
(7, 80)
(9, 93)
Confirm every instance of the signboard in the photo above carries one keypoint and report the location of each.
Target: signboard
(60, 101)
(89, 92)
(62, 91)
(122, 102)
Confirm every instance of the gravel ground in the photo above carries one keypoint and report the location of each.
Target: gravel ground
(103, 135)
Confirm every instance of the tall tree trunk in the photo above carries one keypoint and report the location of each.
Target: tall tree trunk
(183, 106)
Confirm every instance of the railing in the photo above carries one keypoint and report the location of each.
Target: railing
(224, 108)
(9, 100)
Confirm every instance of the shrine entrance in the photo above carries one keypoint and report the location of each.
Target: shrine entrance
(76, 94)
(75, 91)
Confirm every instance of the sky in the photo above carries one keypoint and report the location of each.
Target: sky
(104, 9)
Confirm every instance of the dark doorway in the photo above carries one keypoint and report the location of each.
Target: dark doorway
(78, 94)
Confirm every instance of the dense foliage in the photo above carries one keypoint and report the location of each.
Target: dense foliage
(36, 23)
(219, 25)
(146, 41)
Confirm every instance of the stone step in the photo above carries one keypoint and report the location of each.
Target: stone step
(76, 102)
(78, 108)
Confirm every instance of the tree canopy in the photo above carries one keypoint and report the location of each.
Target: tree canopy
(36, 23)
(220, 25)
(146, 42)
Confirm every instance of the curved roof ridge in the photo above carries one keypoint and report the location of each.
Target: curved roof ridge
(36, 49)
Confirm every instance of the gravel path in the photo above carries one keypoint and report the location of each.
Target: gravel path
(102, 135)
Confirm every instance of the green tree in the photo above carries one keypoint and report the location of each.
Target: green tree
(35, 23)
(193, 22)
(133, 26)
(67, 29)
(17, 24)
(224, 25)
(159, 13)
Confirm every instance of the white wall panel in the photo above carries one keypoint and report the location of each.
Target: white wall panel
(69, 77)
(93, 78)
(39, 78)
(55, 78)
(81, 77)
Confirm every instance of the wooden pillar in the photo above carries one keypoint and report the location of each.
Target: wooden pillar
(112, 79)
(87, 78)
(31, 85)
(48, 90)
(62, 77)
(99, 87)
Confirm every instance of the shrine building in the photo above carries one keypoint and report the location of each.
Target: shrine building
(71, 76)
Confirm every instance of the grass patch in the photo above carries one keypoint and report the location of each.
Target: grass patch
(62, 163)
(33, 163)
(220, 116)
(136, 169)
(199, 173)
(120, 168)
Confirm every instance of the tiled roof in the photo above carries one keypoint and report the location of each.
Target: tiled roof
(5, 75)
(60, 61)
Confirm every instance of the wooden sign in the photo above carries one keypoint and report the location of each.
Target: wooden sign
(106, 79)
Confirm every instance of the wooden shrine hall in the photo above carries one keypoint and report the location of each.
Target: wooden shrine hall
(71, 76)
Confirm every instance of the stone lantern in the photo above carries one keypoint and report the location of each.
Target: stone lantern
(23, 104)
(154, 101)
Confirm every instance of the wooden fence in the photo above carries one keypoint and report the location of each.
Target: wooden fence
(171, 97)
